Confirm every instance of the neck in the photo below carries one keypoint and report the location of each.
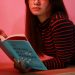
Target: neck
(43, 18)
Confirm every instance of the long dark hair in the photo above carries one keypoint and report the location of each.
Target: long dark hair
(32, 21)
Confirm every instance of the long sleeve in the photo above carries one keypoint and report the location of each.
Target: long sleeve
(58, 40)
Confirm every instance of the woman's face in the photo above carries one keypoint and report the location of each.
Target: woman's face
(39, 7)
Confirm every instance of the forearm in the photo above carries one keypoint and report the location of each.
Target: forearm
(55, 63)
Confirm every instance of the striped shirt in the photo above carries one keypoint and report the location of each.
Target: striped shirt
(57, 39)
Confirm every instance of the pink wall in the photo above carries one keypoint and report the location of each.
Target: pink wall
(70, 5)
(12, 18)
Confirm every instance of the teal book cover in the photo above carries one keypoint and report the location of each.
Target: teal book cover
(22, 49)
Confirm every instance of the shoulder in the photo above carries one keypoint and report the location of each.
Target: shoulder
(60, 19)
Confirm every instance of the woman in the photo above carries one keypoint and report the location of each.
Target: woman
(50, 31)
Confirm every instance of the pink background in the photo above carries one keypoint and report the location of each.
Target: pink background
(12, 19)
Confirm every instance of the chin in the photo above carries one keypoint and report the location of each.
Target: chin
(36, 13)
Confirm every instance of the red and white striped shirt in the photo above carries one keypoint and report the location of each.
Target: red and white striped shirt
(57, 39)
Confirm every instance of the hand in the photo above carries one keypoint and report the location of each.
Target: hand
(2, 33)
(20, 65)
(45, 57)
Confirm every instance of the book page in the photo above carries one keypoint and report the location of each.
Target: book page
(14, 37)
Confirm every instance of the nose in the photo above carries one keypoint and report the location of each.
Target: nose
(36, 2)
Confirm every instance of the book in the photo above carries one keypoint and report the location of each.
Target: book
(19, 48)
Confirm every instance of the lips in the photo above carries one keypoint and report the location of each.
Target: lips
(36, 8)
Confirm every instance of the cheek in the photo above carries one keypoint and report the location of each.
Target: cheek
(45, 6)
(30, 6)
